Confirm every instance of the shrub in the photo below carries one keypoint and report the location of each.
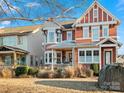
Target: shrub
(6, 73)
(89, 73)
(85, 72)
(21, 70)
(32, 71)
(69, 72)
(95, 68)
(43, 74)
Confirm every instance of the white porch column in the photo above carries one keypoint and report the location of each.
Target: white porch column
(73, 56)
(52, 68)
(100, 58)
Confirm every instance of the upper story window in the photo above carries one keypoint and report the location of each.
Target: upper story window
(1, 41)
(69, 35)
(95, 13)
(51, 36)
(95, 33)
(85, 32)
(59, 36)
(20, 40)
(105, 31)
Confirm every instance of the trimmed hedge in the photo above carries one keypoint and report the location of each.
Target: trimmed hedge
(32, 71)
(21, 70)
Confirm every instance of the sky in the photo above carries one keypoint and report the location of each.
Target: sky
(34, 8)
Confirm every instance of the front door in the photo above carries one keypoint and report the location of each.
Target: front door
(108, 57)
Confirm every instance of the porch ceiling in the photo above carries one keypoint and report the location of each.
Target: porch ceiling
(70, 45)
(10, 49)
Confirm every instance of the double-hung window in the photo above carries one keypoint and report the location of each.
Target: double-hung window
(85, 32)
(95, 13)
(69, 35)
(51, 37)
(95, 33)
(59, 37)
(105, 31)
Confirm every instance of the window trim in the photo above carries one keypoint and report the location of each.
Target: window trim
(71, 35)
(86, 28)
(105, 26)
(97, 27)
(48, 36)
(87, 49)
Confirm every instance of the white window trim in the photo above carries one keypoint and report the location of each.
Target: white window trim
(68, 37)
(105, 26)
(57, 38)
(86, 49)
(97, 14)
(87, 29)
(49, 38)
(56, 55)
(97, 27)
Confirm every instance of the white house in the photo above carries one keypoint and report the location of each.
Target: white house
(21, 45)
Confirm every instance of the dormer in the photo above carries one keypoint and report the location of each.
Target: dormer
(53, 31)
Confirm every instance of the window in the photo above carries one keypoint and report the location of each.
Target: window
(1, 41)
(69, 35)
(59, 37)
(85, 32)
(105, 31)
(95, 13)
(95, 33)
(51, 37)
(59, 55)
(48, 57)
(82, 56)
(31, 58)
(20, 40)
(96, 56)
(88, 56)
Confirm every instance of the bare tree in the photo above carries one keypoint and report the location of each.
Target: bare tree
(54, 8)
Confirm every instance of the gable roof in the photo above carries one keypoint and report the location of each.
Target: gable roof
(99, 5)
(18, 30)
(111, 40)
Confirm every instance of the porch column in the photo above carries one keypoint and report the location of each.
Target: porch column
(100, 65)
(15, 58)
(73, 56)
(52, 68)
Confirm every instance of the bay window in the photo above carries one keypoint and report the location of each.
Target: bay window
(88, 56)
(57, 57)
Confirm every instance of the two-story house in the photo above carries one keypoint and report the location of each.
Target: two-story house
(91, 39)
(21, 45)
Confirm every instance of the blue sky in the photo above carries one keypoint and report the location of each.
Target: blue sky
(116, 7)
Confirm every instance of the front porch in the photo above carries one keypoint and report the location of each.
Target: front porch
(11, 56)
(59, 57)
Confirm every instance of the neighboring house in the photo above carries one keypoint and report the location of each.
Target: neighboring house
(91, 39)
(120, 59)
(21, 45)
